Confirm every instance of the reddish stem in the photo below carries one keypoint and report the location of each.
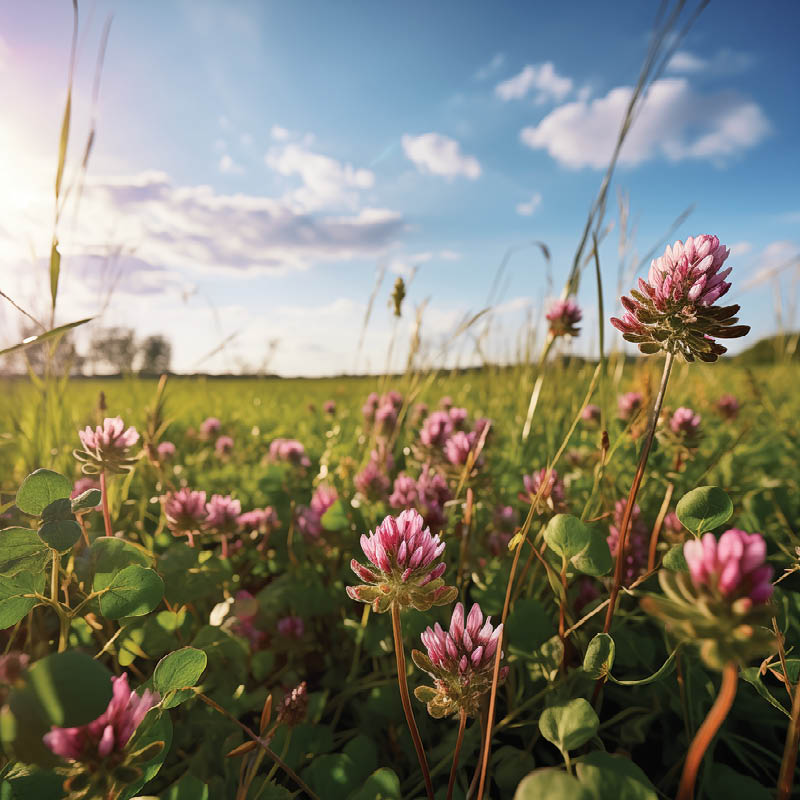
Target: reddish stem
(706, 732)
(462, 722)
(106, 515)
(789, 761)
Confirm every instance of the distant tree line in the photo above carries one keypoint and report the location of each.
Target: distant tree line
(109, 350)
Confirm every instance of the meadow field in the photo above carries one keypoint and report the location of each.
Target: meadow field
(273, 682)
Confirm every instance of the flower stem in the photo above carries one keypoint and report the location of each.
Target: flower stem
(637, 481)
(707, 731)
(462, 723)
(406, 701)
(789, 761)
(104, 492)
(54, 577)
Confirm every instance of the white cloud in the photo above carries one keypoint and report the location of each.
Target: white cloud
(741, 248)
(542, 78)
(408, 265)
(326, 182)
(279, 134)
(449, 255)
(723, 62)
(527, 208)
(490, 68)
(436, 154)
(229, 167)
(674, 122)
(773, 260)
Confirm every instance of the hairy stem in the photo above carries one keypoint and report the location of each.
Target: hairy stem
(104, 492)
(707, 731)
(785, 779)
(462, 723)
(406, 701)
(637, 482)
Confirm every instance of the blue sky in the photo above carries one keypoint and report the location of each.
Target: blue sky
(256, 163)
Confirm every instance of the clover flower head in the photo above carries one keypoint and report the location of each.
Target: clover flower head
(404, 494)
(457, 448)
(323, 498)
(553, 492)
(83, 485)
(685, 423)
(290, 451)
(260, 520)
(405, 565)
(591, 414)
(385, 418)
(564, 316)
(106, 447)
(674, 309)
(629, 404)
(210, 426)
(727, 406)
(461, 661)
(436, 429)
(186, 511)
(734, 565)
(166, 451)
(223, 446)
(223, 513)
(637, 541)
(291, 627)
(109, 733)
(372, 481)
(458, 417)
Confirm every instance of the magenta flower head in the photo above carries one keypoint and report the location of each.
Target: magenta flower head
(104, 739)
(733, 566)
(385, 418)
(259, 520)
(329, 407)
(674, 309)
(210, 427)
(405, 566)
(564, 316)
(404, 493)
(166, 451)
(629, 404)
(685, 423)
(106, 447)
(458, 416)
(436, 429)
(291, 627)
(223, 446)
(372, 481)
(322, 499)
(591, 414)
(552, 493)
(223, 513)
(185, 511)
(461, 662)
(722, 604)
(370, 407)
(457, 448)
(727, 407)
(290, 451)
(637, 544)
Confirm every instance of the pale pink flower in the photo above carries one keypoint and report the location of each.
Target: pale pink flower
(728, 406)
(166, 451)
(637, 541)
(386, 418)
(223, 513)
(457, 448)
(446, 403)
(404, 494)
(322, 499)
(553, 487)
(83, 485)
(629, 404)
(458, 416)
(260, 520)
(734, 565)
(112, 436)
(674, 309)
(329, 407)
(185, 511)
(110, 732)
(436, 429)
(289, 450)
(210, 427)
(684, 422)
(564, 316)
(372, 481)
(224, 445)
(591, 414)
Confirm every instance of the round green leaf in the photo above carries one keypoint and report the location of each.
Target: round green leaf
(569, 725)
(383, 784)
(132, 592)
(88, 500)
(58, 509)
(674, 559)
(596, 558)
(552, 784)
(704, 508)
(567, 535)
(13, 605)
(599, 656)
(72, 687)
(60, 534)
(179, 670)
(109, 555)
(39, 489)
(21, 550)
(607, 776)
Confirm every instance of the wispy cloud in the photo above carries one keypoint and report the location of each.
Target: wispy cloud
(723, 62)
(279, 134)
(491, 68)
(541, 79)
(528, 208)
(773, 260)
(227, 166)
(436, 154)
(675, 122)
